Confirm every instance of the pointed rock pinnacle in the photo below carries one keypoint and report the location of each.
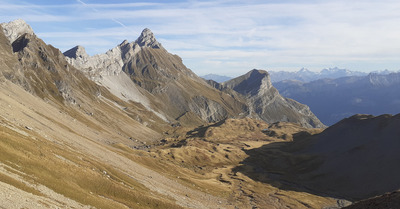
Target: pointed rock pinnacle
(147, 39)
(77, 52)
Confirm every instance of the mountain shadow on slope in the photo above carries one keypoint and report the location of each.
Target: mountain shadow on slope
(354, 159)
(389, 200)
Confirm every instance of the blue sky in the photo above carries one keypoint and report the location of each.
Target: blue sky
(228, 37)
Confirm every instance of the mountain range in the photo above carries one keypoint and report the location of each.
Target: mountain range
(135, 128)
(217, 78)
(185, 97)
(334, 99)
(306, 75)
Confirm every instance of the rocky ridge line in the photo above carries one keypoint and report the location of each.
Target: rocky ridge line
(112, 61)
(266, 103)
(14, 29)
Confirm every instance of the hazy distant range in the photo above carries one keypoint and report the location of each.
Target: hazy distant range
(303, 74)
(334, 94)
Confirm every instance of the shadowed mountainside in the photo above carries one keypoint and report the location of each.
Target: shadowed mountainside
(389, 201)
(354, 159)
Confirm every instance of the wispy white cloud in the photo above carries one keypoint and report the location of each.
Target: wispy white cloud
(97, 12)
(262, 34)
(25, 5)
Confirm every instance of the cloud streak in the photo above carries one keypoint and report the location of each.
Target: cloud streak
(360, 35)
(98, 13)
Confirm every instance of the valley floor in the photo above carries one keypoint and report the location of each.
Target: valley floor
(74, 164)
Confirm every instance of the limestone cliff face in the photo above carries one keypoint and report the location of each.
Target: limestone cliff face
(164, 85)
(41, 69)
(99, 65)
(147, 39)
(44, 72)
(14, 29)
(147, 74)
(159, 80)
(265, 102)
(111, 62)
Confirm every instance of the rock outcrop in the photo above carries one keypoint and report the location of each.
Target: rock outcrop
(112, 62)
(14, 29)
(145, 73)
(159, 81)
(43, 71)
(147, 39)
(106, 70)
(77, 52)
(99, 65)
(266, 103)
(163, 84)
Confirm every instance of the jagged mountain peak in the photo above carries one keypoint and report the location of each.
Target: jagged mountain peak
(147, 39)
(125, 42)
(266, 103)
(251, 82)
(14, 29)
(77, 52)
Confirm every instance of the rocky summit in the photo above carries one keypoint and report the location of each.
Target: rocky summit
(147, 39)
(158, 77)
(15, 29)
(265, 102)
(135, 128)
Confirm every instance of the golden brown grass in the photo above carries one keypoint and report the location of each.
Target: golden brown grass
(207, 159)
(18, 184)
(73, 175)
